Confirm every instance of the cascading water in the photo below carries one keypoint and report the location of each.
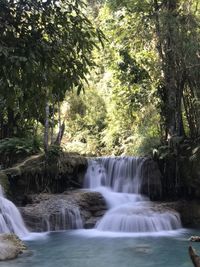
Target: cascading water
(120, 180)
(10, 218)
(65, 218)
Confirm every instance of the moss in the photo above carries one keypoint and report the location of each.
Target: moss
(4, 182)
(180, 168)
(16, 171)
(37, 174)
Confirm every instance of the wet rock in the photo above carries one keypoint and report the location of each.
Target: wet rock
(50, 212)
(151, 179)
(143, 249)
(194, 238)
(189, 211)
(35, 175)
(10, 247)
(93, 203)
(89, 224)
(99, 213)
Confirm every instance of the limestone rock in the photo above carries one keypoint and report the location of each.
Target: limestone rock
(189, 211)
(31, 176)
(10, 246)
(90, 223)
(50, 212)
(194, 238)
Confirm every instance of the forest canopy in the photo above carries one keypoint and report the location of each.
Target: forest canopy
(106, 77)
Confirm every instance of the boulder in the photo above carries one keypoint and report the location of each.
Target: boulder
(194, 238)
(10, 247)
(50, 212)
(91, 203)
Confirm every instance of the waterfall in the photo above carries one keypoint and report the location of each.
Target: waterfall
(10, 218)
(52, 212)
(122, 174)
(120, 180)
(65, 218)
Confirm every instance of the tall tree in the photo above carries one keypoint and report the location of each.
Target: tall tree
(173, 25)
(45, 50)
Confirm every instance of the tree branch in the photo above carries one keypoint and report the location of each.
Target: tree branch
(194, 257)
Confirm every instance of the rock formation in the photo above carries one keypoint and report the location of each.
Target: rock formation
(10, 247)
(70, 210)
(38, 174)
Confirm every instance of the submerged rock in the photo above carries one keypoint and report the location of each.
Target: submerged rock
(10, 246)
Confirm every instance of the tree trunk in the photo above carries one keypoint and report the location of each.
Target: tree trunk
(194, 257)
(191, 112)
(46, 128)
(61, 127)
(53, 122)
(172, 75)
(2, 134)
(11, 122)
(60, 134)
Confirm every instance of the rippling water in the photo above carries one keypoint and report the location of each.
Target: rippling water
(85, 248)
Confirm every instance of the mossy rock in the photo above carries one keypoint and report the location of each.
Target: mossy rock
(4, 182)
(37, 175)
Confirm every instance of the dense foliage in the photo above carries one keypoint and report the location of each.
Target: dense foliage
(15, 149)
(147, 74)
(45, 49)
(142, 91)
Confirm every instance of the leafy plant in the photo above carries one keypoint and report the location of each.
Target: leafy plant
(15, 149)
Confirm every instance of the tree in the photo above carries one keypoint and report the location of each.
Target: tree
(173, 26)
(85, 121)
(45, 50)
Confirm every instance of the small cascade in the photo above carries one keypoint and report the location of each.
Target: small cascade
(10, 218)
(75, 218)
(120, 180)
(52, 213)
(65, 218)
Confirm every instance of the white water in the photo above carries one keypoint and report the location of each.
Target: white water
(65, 218)
(10, 218)
(119, 180)
(73, 217)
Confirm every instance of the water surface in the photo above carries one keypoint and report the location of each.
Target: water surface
(87, 249)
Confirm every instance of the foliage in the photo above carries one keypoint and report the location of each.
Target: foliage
(142, 91)
(53, 153)
(45, 50)
(14, 149)
(171, 29)
(85, 121)
(123, 80)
